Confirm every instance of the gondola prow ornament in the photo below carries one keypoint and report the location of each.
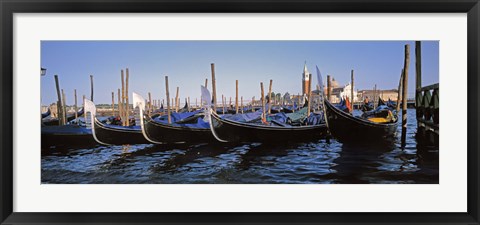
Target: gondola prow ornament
(206, 104)
(139, 101)
(92, 109)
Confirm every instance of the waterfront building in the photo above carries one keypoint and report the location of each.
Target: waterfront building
(391, 94)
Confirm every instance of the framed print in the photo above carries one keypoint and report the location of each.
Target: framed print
(254, 112)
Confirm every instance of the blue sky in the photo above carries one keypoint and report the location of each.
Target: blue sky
(187, 64)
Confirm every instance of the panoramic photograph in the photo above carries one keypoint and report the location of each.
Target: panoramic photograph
(239, 112)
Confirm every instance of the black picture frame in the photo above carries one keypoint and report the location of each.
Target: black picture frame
(10, 7)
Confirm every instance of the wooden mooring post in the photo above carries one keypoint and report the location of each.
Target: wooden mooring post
(223, 104)
(59, 102)
(241, 104)
(119, 103)
(418, 71)
(85, 114)
(127, 105)
(177, 101)
(149, 104)
(405, 93)
(113, 103)
(64, 108)
(263, 100)
(253, 101)
(399, 96)
(236, 96)
(427, 106)
(123, 116)
(351, 94)
(75, 106)
(418, 79)
(91, 88)
(328, 87)
(270, 97)
(214, 88)
(168, 100)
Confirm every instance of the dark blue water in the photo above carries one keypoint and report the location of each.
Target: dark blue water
(314, 162)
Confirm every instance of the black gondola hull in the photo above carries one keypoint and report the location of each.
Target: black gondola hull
(232, 131)
(286, 110)
(165, 133)
(55, 121)
(347, 128)
(112, 135)
(47, 113)
(66, 136)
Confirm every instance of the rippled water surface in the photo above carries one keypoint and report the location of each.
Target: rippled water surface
(315, 162)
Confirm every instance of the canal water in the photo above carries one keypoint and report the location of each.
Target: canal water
(318, 162)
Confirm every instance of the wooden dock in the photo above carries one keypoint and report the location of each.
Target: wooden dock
(427, 108)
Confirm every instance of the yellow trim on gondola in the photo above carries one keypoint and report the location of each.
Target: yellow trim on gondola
(387, 119)
(379, 120)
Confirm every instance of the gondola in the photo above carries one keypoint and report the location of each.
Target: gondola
(113, 134)
(221, 110)
(158, 132)
(231, 111)
(290, 109)
(287, 110)
(47, 113)
(55, 121)
(366, 106)
(226, 130)
(391, 104)
(346, 128)
(276, 109)
(226, 110)
(185, 108)
(70, 135)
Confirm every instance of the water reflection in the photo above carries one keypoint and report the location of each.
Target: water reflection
(356, 163)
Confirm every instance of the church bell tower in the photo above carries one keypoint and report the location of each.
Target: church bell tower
(306, 80)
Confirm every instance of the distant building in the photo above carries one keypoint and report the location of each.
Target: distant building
(299, 99)
(338, 92)
(44, 108)
(347, 92)
(53, 110)
(334, 83)
(391, 94)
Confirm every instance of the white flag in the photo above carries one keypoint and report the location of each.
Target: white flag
(90, 107)
(320, 81)
(138, 101)
(205, 98)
